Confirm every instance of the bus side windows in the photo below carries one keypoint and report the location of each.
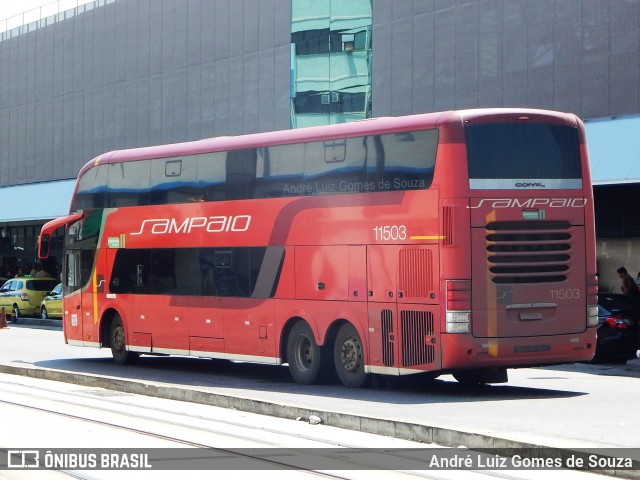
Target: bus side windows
(241, 174)
(121, 277)
(162, 274)
(218, 272)
(130, 272)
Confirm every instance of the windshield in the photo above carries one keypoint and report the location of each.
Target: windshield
(41, 285)
(523, 155)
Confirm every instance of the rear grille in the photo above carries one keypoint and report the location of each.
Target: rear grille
(417, 328)
(528, 252)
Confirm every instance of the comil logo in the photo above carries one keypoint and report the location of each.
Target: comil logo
(217, 224)
(530, 185)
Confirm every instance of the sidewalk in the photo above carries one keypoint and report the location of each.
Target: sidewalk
(40, 322)
(633, 365)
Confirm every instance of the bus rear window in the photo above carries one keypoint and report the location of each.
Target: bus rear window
(523, 155)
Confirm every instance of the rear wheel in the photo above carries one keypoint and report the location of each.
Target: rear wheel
(348, 356)
(119, 343)
(308, 362)
(16, 314)
(43, 313)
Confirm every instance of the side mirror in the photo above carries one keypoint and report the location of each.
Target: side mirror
(44, 245)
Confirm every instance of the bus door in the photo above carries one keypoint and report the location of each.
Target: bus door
(402, 304)
(80, 309)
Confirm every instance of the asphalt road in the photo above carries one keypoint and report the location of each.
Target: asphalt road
(566, 407)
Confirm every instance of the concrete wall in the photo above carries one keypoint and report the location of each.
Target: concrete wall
(579, 56)
(140, 72)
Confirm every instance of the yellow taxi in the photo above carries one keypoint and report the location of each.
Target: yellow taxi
(22, 296)
(51, 305)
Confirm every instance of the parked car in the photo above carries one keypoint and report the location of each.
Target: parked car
(51, 305)
(618, 329)
(22, 296)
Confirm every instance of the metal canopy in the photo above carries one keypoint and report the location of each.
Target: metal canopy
(614, 150)
(36, 201)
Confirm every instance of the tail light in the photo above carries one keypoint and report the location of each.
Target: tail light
(458, 316)
(618, 322)
(592, 300)
(24, 297)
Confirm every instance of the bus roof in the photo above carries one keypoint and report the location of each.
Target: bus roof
(371, 126)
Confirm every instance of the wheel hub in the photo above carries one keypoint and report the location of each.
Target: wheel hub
(305, 352)
(350, 354)
(118, 340)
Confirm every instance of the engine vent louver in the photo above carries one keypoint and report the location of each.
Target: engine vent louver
(387, 338)
(415, 277)
(417, 331)
(447, 226)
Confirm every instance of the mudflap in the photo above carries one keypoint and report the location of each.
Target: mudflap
(482, 376)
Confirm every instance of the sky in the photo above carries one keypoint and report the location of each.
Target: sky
(9, 8)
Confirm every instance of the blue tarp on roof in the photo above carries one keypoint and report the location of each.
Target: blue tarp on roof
(614, 150)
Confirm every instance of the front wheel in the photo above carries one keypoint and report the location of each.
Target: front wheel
(119, 343)
(348, 356)
(43, 313)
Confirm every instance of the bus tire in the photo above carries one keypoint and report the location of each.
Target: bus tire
(348, 356)
(118, 342)
(306, 358)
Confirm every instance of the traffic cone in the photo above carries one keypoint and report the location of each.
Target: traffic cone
(3, 319)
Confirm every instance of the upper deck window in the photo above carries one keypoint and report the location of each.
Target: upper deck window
(365, 164)
(523, 155)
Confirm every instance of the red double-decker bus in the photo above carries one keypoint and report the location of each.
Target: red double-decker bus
(457, 242)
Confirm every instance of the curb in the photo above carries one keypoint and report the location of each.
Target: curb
(633, 365)
(408, 431)
(38, 322)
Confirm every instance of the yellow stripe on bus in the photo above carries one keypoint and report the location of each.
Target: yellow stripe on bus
(427, 237)
(95, 297)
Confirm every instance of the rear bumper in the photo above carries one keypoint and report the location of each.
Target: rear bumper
(466, 351)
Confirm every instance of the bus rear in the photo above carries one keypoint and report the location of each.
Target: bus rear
(528, 295)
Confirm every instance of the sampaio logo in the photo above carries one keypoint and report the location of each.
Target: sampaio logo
(217, 224)
(530, 203)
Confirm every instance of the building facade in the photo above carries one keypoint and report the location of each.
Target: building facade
(114, 74)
